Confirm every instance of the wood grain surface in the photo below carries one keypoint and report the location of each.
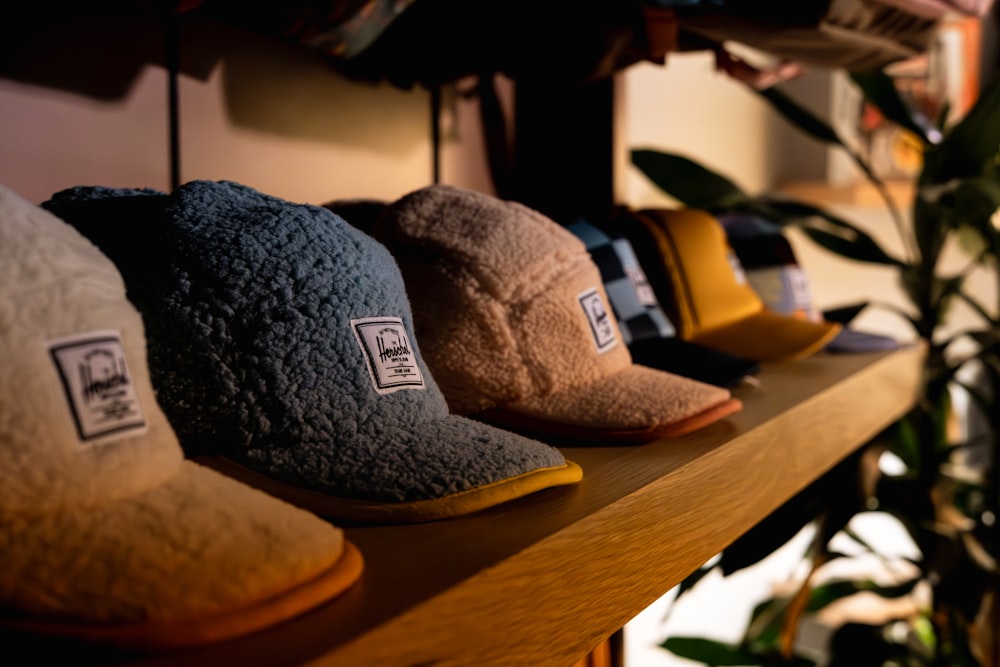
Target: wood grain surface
(544, 579)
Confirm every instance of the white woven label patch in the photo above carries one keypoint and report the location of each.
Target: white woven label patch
(602, 324)
(98, 386)
(391, 360)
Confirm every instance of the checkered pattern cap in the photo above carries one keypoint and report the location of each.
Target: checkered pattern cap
(633, 301)
(647, 330)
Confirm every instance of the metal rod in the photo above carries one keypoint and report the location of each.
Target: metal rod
(436, 134)
(171, 56)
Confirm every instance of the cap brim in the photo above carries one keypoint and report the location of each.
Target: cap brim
(186, 633)
(769, 336)
(637, 404)
(449, 467)
(415, 511)
(199, 559)
(849, 341)
(691, 360)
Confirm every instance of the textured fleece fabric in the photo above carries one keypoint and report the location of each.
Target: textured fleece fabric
(501, 300)
(248, 301)
(115, 527)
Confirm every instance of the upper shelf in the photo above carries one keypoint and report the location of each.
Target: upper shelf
(543, 579)
(861, 193)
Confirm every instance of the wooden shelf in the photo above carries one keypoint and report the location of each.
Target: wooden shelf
(861, 193)
(544, 579)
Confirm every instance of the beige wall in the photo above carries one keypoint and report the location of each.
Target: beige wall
(275, 117)
(252, 110)
(687, 107)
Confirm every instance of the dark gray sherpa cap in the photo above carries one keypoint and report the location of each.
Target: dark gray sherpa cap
(281, 348)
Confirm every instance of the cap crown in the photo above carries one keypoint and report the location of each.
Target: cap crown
(79, 424)
(281, 337)
(508, 304)
(709, 287)
(261, 317)
(639, 314)
(775, 275)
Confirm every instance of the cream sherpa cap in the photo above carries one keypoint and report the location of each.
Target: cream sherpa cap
(513, 320)
(107, 533)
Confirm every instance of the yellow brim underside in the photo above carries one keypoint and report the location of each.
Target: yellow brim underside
(350, 509)
(195, 631)
(769, 336)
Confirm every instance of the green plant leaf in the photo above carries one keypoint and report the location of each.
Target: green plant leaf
(776, 529)
(800, 117)
(828, 593)
(969, 146)
(845, 314)
(815, 127)
(899, 312)
(858, 248)
(958, 193)
(834, 495)
(957, 653)
(692, 579)
(980, 309)
(972, 243)
(982, 339)
(710, 652)
(787, 212)
(687, 181)
(854, 535)
(904, 445)
(793, 210)
(946, 289)
(992, 376)
(880, 89)
(931, 296)
(984, 400)
(764, 628)
(863, 645)
(986, 339)
(848, 230)
(861, 244)
(931, 221)
(976, 200)
(904, 499)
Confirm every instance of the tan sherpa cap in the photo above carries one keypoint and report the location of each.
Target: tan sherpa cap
(514, 323)
(107, 533)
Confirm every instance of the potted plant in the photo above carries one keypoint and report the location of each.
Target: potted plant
(950, 511)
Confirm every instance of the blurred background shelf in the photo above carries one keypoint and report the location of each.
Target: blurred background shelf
(861, 193)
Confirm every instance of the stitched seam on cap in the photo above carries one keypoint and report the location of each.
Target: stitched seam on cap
(683, 298)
